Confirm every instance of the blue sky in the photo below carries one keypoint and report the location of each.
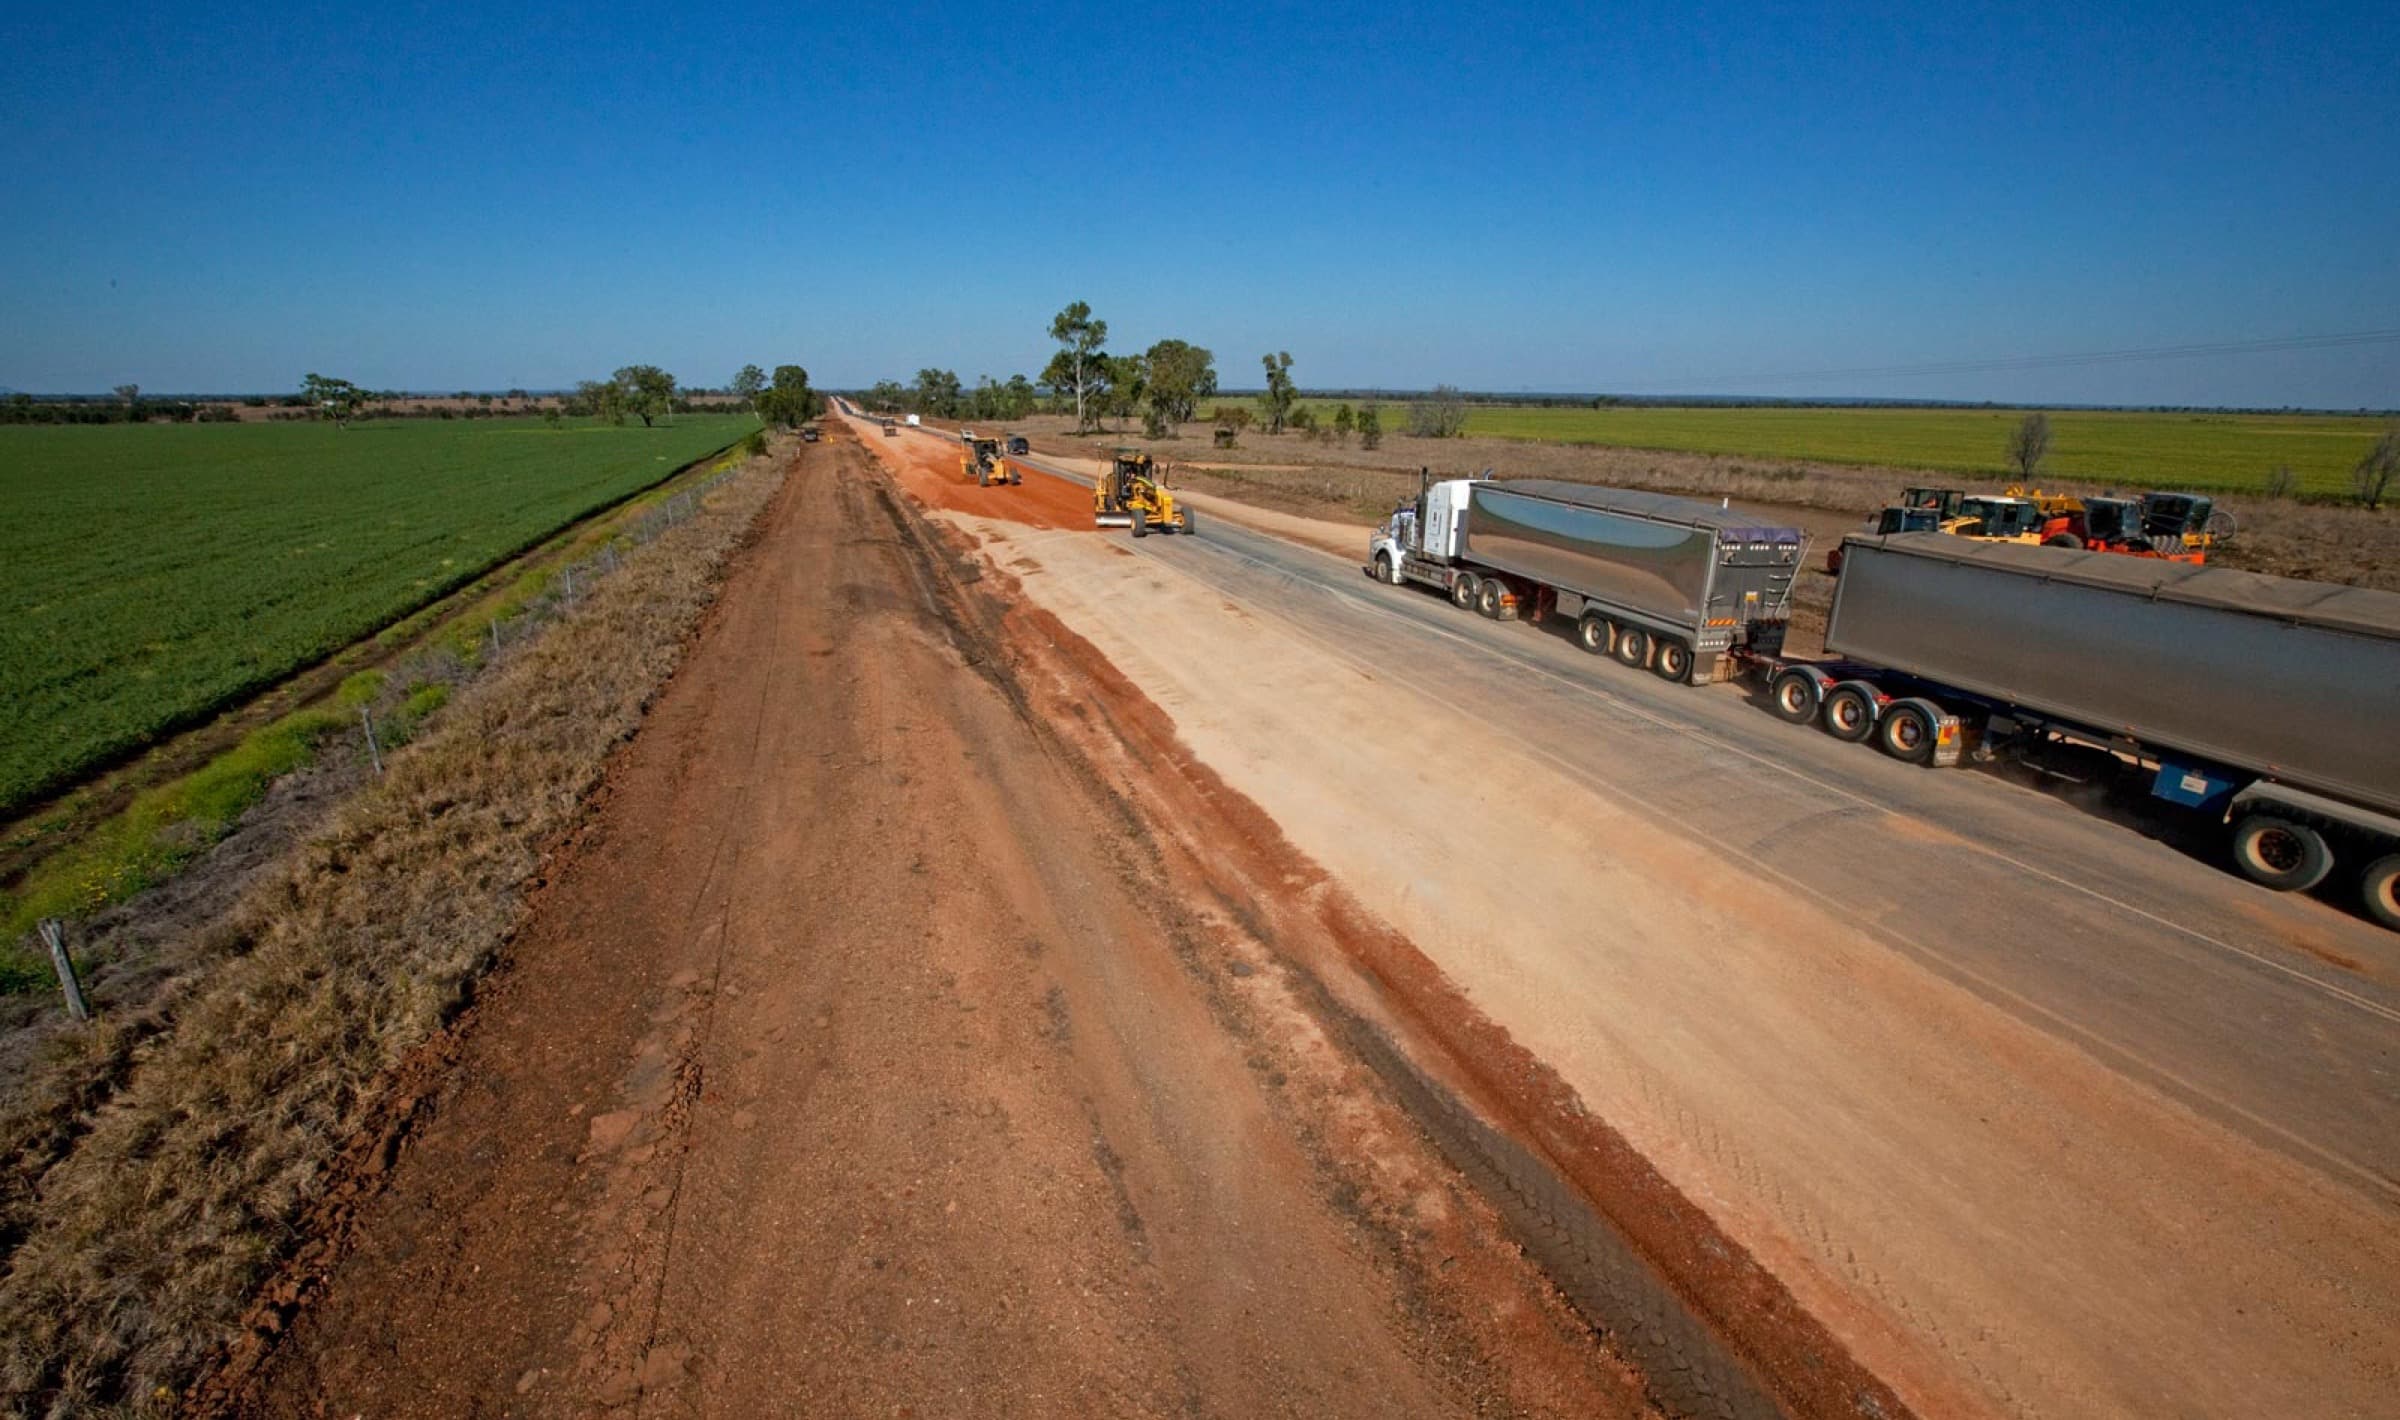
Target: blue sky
(1639, 198)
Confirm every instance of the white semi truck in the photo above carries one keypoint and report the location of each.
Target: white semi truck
(1669, 583)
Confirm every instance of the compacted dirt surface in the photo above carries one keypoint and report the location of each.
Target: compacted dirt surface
(2035, 1110)
(873, 1052)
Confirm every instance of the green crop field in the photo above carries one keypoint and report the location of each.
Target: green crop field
(160, 572)
(2219, 452)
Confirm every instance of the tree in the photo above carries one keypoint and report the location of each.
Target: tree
(1277, 401)
(336, 399)
(1440, 415)
(1181, 375)
(1345, 419)
(788, 401)
(937, 393)
(602, 399)
(888, 396)
(2375, 471)
(646, 390)
(2029, 444)
(131, 394)
(748, 383)
(1370, 425)
(1080, 338)
(1128, 381)
(1018, 397)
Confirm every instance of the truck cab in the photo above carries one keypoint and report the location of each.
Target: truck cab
(1427, 530)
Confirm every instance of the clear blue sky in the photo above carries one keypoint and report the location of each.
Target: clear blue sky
(1644, 198)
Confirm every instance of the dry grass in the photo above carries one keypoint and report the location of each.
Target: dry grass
(156, 1168)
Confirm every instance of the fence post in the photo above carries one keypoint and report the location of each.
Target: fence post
(566, 574)
(374, 750)
(495, 637)
(55, 939)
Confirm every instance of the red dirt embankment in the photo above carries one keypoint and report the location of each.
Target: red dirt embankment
(930, 472)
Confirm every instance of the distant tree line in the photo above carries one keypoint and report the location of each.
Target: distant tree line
(126, 406)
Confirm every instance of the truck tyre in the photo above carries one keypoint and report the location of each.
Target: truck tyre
(2380, 886)
(1674, 660)
(1384, 570)
(1462, 591)
(1633, 646)
(1494, 601)
(1795, 696)
(1591, 634)
(2278, 853)
(1906, 733)
(1849, 713)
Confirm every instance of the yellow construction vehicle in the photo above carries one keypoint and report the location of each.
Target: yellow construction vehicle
(1132, 493)
(980, 461)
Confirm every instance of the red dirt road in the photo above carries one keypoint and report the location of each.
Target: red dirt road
(864, 1057)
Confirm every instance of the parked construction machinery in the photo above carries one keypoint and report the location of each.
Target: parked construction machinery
(1132, 493)
(2179, 527)
(1986, 517)
(980, 460)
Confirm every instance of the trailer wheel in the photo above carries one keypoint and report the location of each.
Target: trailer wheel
(2380, 886)
(1462, 591)
(1906, 733)
(1674, 660)
(1493, 600)
(1795, 696)
(1633, 646)
(1849, 713)
(2281, 854)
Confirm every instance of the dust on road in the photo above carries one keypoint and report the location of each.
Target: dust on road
(861, 1058)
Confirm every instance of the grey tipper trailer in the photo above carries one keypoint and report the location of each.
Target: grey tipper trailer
(2267, 702)
(1672, 583)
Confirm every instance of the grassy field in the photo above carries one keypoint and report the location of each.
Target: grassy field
(2227, 452)
(161, 572)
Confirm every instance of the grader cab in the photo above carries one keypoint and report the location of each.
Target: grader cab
(1133, 493)
(980, 460)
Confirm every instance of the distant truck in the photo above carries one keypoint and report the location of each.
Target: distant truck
(2267, 703)
(1669, 583)
(914, 422)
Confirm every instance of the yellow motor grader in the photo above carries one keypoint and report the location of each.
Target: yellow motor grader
(980, 460)
(1132, 493)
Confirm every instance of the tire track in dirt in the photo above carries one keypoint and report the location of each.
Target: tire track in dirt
(1613, 1235)
(958, 1100)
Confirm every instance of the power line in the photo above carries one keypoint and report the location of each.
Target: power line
(2055, 362)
